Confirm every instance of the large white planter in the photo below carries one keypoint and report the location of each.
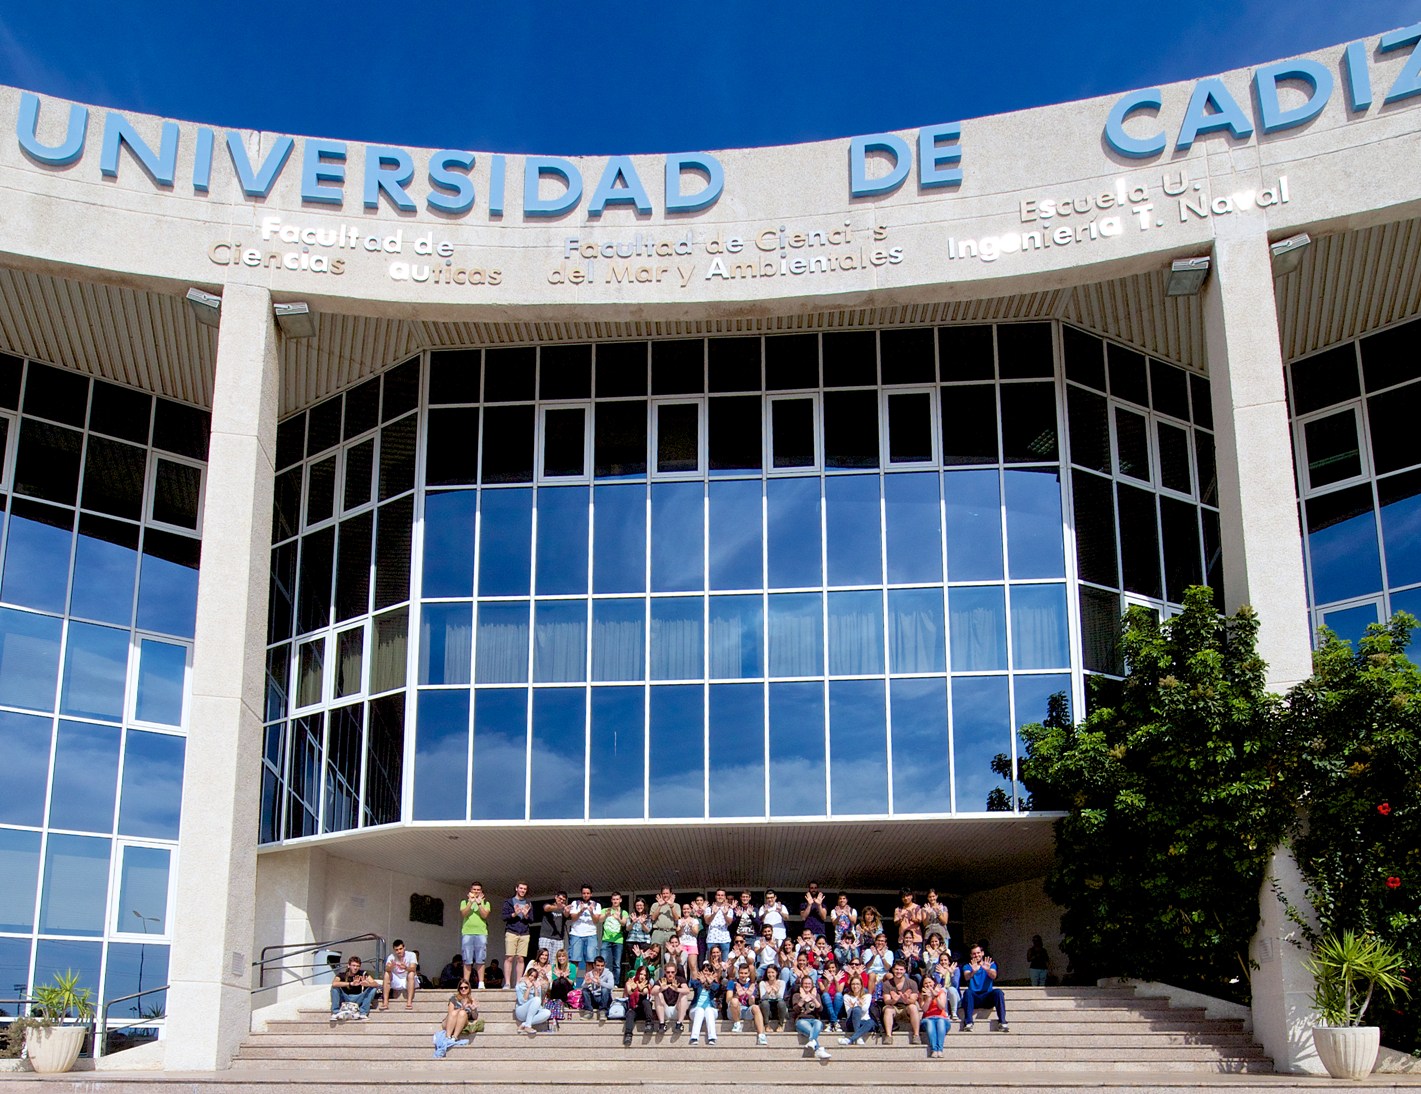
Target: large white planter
(1348, 1052)
(54, 1048)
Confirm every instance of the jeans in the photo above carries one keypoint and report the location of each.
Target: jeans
(860, 1023)
(582, 950)
(833, 1007)
(811, 1028)
(971, 1000)
(474, 950)
(611, 953)
(532, 1013)
(596, 998)
(936, 1029)
(1038, 978)
(364, 998)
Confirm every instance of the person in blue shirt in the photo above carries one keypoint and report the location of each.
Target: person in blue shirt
(979, 989)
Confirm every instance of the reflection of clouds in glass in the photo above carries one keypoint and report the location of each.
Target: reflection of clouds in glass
(980, 730)
(737, 750)
(797, 766)
(792, 532)
(441, 748)
(558, 747)
(920, 771)
(29, 659)
(24, 742)
(167, 597)
(96, 662)
(858, 747)
(19, 866)
(498, 776)
(912, 519)
(734, 540)
(737, 790)
(85, 778)
(797, 788)
(103, 580)
(618, 741)
(32, 577)
(677, 752)
(152, 786)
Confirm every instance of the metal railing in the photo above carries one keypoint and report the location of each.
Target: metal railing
(283, 952)
(22, 1004)
(151, 1021)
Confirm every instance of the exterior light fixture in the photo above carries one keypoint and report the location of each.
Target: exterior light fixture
(1186, 276)
(1288, 253)
(206, 307)
(295, 319)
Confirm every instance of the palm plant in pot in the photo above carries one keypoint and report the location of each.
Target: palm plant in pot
(1348, 970)
(58, 1023)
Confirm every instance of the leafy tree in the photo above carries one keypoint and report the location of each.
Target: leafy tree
(1175, 795)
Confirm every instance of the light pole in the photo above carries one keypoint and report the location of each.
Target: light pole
(142, 954)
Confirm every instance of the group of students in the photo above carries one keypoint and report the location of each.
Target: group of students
(711, 961)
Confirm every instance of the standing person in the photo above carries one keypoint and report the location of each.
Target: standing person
(638, 929)
(747, 923)
(615, 922)
(806, 1009)
(401, 975)
(935, 919)
(979, 987)
(907, 916)
(665, 914)
(1038, 961)
(517, 926)
(353, 985)
(585, 919)
(843, 921)
(720, 917)
(552, 935)
(690, 927)
(473, 941)
(811, 909)
(773, 915)
(706, 993)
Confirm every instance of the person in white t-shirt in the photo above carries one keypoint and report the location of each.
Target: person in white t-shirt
(401, 976)
(584, 919)
(773, 915)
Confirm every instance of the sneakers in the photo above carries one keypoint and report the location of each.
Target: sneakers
(1004, 1028)
(462, 1042)
(626, 1039)
(694, 1041)
(680, 1027)
(336, 1016)
(360, 1017)
(967, 1028)
(710, 1040)
(737, 1027)
(845, 1041)
(821, 1053)
(760, 1039)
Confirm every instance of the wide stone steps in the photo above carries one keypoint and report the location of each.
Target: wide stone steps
(1070, 1031)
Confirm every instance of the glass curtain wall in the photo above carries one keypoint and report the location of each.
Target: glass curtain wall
(101, 488)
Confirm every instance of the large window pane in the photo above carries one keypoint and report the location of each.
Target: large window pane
(167, 584)
(29, 659)
(1401, 527)
(677, 638)
(974, 525)
(85, 777)
(619, 444)
(796, 637)
(95, 665)
(47, 462)
(559, 743)
(449, 521)
(505, 542)
(977, 628)
(737, 750)
(341, 809)
(851, 521)
(441, 756)
(161, 669)
(677, 764)
(565, 441)
(143, 890)
(921, 775)
(735, 535)
(562, 540)
(105, 570)
(677, 535)
(150, 801)
(76, 883)
(1029, 423)
(792, 433)
(389, 646)
(37, 556)
(618, 759)
(1093, 502)
(1342, 545)
(446, 642)
(19, 866)
(981, 730)
(915, 631)
(1350, 624)
(113, 479)
(1034, 545)
(352, 588)
(619, 639)
(1039, 633)
(736, 637)
(560, 641)
(15, 952)
(851, 429)
(1333, 452)
(733, 433)
(858, 747)
(1139, 541)
(914, 527)
(136, 967)
(24, 742)
(678, 437)
(969, 421)
(1032, 694)
(910, 427)
(502, 643)
(1179, 534)
(793, 532)
(797, 770)
(855, 633)
(619, 539)
(508, 444)
(1088, 427)
(500, 753)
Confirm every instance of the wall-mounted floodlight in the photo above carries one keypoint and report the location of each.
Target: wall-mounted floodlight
(206, 307)
(1288, 253)
(1186, 276)
(295, 319)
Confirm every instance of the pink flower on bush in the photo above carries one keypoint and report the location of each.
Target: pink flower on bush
(1393, 883)
(1384, 809)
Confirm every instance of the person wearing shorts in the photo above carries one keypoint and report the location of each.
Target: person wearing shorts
(473, 942)
(401, 976)
(517, 917)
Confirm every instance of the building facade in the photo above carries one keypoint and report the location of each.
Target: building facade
(710, 519)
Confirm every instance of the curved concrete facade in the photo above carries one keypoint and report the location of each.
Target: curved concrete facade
(1068, 215)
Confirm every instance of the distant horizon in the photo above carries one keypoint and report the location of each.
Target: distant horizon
(646, 81)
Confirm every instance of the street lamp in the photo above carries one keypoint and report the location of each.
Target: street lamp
(142, 954)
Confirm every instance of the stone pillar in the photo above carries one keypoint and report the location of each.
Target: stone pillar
(209, 1002)
(1263, 566)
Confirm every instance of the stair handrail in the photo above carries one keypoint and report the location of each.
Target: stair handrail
(101, 1035)
(287, 950)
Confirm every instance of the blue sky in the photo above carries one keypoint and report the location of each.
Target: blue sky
(638, 76)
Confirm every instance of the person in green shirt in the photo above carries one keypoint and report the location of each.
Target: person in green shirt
(473, 945)
(614, 935)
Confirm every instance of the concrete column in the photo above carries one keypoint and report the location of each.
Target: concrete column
(209, 1003)
(1258, 508)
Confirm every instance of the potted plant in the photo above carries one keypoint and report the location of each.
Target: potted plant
(53, 1040)
(1347, 971)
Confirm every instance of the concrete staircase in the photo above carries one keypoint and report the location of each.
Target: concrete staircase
(1054, 1031)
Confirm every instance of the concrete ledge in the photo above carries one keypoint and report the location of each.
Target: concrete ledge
(290, 1009)
(1181, 997)
(1391, 1062)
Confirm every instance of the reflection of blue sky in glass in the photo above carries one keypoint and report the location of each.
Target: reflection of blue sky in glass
(677, 766)
(736, 632)
(1401, 536)
(167, 597)
(851, 536)
(913, 520)
(24, 742)
(85, 777)
(449, 521)
(19, 866)
(974, 525)
(677, 518)
(95, 666)
(143, 888)
(921, 776)
(735, 540)
(796, 637)
(53, 956)
(441, 756)
(981, 728)
(617, 753)
(562, 540)
(151, 797)
(1039, 634)
(76, 882)
(161, 666)
(737, 750)
(500, 753)
(1344, 559)
(36, 564)
(29, 659)
(14, 965)
(559, 745)
(619, 539)
(797, 750)
(1031, 694)
(1351, 623)
(104, 573)
(858, 747)
(1034, 533)
(1409, 602)
(505, 535)
(134, 967)
(792, 532)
